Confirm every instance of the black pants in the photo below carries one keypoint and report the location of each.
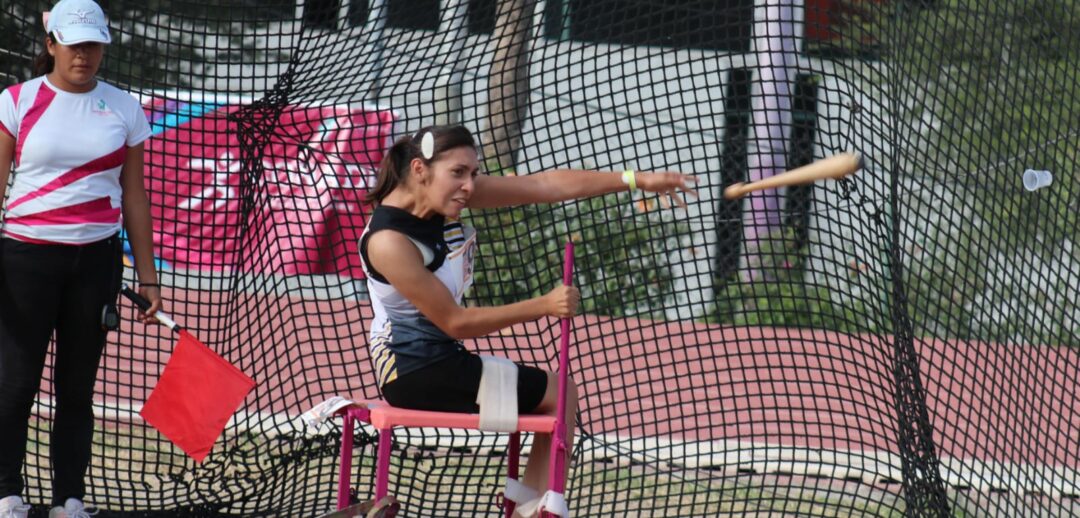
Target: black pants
(46, 288)
(451, 384)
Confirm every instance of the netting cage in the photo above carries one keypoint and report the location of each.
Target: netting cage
(899, 342)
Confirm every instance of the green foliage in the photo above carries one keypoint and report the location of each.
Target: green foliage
(621, 257)
(789, 295)
(967, 95)
(1001, 77)
(998, 83)
(790, 302)
(518, 253)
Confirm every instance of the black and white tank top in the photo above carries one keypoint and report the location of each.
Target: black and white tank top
(401, 338)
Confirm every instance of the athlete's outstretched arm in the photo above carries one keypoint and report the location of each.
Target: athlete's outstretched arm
(569, 184)
(397, 258)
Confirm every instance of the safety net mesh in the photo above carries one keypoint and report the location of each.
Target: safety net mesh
(899, 342)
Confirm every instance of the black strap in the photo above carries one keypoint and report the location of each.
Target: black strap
(428, 232)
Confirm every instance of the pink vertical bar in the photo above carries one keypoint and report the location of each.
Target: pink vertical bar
(556, 479)
(345, 476)
(382, 464)
(513, 455)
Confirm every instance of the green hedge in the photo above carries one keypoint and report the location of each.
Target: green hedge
(621, 255)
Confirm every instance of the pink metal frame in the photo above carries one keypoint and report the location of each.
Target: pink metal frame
(352, 415)
(559, 443)
(556, 477)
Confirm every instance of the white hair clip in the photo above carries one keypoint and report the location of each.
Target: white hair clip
(427, 146)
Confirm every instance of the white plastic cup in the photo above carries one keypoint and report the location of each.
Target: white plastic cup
(1035, 179)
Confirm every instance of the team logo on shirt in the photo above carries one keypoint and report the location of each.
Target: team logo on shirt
(101, 108)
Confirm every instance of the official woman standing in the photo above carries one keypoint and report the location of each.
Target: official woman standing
(71, 168)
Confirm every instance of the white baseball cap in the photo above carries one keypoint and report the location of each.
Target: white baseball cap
(77, 21)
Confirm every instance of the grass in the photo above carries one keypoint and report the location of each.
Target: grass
(133, 467)
(285, 475)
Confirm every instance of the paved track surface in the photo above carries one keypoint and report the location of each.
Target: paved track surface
(676, 380)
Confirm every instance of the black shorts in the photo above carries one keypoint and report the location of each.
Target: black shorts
(451, 384)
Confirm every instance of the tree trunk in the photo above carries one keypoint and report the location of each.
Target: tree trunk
(508, 86)
(452, 21)
(375, 28)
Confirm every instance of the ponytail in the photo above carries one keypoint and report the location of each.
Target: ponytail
(394, 168)
(43, 63)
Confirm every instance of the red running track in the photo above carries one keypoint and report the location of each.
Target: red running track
(677, 380)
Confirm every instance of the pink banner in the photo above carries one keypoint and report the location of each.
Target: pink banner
(308, 209)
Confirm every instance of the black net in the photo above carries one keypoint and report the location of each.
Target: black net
(899, 342)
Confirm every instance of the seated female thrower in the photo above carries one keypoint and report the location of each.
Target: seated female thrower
(417, 258)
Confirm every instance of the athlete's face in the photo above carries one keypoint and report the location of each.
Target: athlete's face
(449, 180)
(76, 65)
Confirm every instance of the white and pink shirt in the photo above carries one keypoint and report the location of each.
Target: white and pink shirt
(69, 150)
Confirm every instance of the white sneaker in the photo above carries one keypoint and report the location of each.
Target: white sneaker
(73, 508)
(13, 507)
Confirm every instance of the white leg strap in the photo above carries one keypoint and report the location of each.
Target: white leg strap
(497, 396)
(551, 502)
(519, 493)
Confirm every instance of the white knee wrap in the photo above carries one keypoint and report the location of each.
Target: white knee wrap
(497, 396)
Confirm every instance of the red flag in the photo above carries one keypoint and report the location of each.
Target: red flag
(197, 393)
